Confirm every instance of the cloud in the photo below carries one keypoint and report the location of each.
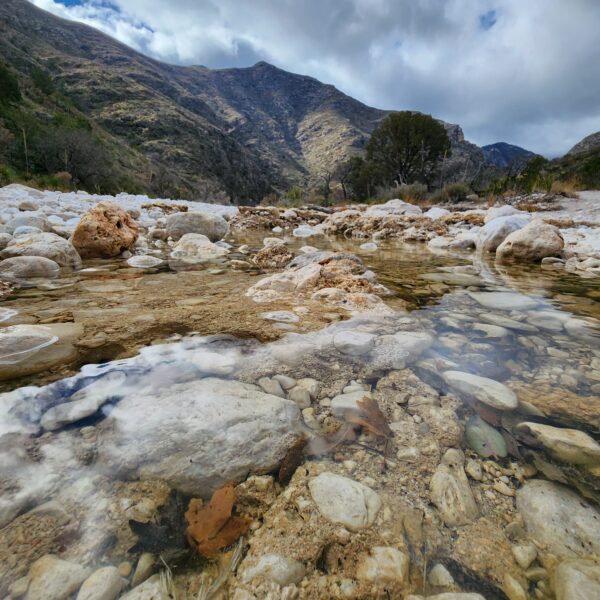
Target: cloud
(523, 72)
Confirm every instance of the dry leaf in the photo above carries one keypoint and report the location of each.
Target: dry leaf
(211, 527)
(372, 418)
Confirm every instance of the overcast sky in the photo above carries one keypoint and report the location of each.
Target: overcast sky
(522, 71)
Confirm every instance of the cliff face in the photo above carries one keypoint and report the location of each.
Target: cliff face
(244, 131)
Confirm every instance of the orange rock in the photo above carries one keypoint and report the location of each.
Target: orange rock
(105, 231)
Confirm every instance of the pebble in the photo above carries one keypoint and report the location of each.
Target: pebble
(384, 565)
(300, 396)
(285, 382)
(276, 568)
(144, 569)
(271, 386)
(103, 584)
(439, 576)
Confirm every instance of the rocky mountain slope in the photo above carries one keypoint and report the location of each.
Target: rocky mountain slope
(244, 132)
(505, 155)
(587, 144)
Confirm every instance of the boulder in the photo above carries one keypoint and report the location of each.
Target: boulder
(198, 435)
(488, 391)
(493, 233)
(501, 211)
(567, 445)
(214, 227)
(48, 245)
(28, 221)
(560, 521)
(27, 267)
(197, 246)
(105, 231)
(393, 207)
(450, 490)
(532, 243)
(51, 578)
(342, 500)
(273, 256)
(29, 349)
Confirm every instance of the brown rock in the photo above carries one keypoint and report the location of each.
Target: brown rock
(273, 257)
(105, 231)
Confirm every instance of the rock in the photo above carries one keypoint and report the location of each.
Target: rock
(24, 230)
(501, 211)
(531, 243)
(473, 470)
(550, 320)
(28, 205)
(287, 383)
(271, 386)
(504, 301)
(567, 445)
(577, 580)
(439, 576)
(342, 403)
(144, 568)
(487, 391)
(484, 439)
(393, 207)
(312, 386)
(105, 231)
(303, 231)
(383, 565)
(28, 349)
(276, 568)
(397, 350)
(51, 578)
(214, 227)
(19, 587)
(524, 554)
(493, 233)
(435, 212)
(212, 432)
(197, 246)
(151, 589)
(85, 402)
(103, 584)
(281, 316)
(125, 568)
(144, 261)
(26, 267)
(450, 490)
(48, 245)
(273, 256)
(513, 589)
(342, 500)
(5, 239)
(353, 343)
(369, 247)
(448, 596)
(559, 520)
(300, 396)
(28, 221)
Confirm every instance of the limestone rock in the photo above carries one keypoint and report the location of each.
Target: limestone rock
(151, 589)
(198, 435)
(577, 580)
(144, 261)
(54, 579)
(558, 519)
(26, 267)
(450, 490)
(274, 567)
(273, 256)
(197, 246)
(487, 391)
(439, 576)
(384, 565)
(568, 445)
(342, 500)
(213, 226)
(105, 231)
(48, 245)
(531, 243)
(353, 343)
(103, 584)
(493, 233)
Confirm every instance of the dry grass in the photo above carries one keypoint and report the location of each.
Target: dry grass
(565, 188)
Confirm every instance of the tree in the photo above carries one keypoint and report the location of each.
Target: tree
(360, 178)
(407, 147)
(9, 86)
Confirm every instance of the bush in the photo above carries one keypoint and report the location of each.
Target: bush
(9, 86)
(42, 80)
(451, 193)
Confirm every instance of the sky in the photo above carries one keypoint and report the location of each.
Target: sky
(525, 72)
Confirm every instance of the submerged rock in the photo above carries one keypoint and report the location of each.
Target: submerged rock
(54, 579)
(197, 246)
(144, 262)
(48, 245)
(450, 490)
(487, 391)
(577, 580)
(559, 520)
(198, 435)
(342, 500)
(213, 226)
(105, 231)
(484, 439)
(25, 267)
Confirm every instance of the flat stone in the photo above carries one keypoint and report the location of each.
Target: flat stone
(487, 391)
(342, 500)
(27, 267)
(567, 445)
(384, 565)
(559, 520)
(504, 300)
(276, 568)
(144, 261)
(343, 403)
(353, 343)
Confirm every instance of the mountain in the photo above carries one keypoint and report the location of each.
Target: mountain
(504, 155)
(587, 144)
(189, 131)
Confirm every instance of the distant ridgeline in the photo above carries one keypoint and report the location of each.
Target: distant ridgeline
(79, 109)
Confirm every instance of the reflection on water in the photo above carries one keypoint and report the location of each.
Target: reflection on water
(526, 333)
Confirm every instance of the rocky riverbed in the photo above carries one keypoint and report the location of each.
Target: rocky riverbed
(406, 401)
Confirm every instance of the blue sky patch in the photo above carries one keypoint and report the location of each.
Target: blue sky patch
(488, 20)
(70, 2)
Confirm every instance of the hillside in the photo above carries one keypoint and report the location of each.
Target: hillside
(505, 155)
(194, 131)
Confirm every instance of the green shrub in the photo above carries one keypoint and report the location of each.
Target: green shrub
(9, 86)
(451, 193)
(42, 80)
